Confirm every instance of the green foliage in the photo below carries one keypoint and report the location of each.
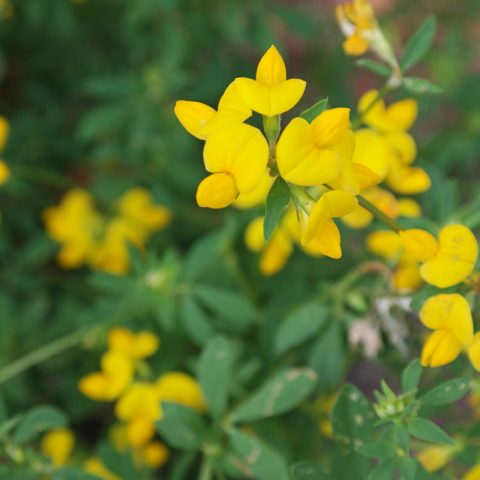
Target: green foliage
(277, 201)
(419, 43)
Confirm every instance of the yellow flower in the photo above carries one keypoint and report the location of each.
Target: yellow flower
(115, 375)
(179, 387)
(473, 473)
(96, 467)
(4, 172)
(386, 148)
(449, 316)
(446, 261)
(358, 23)
(435, 457)
(271, 93)
(136, 205)
(58, 445)
(311, 154)
(389, 245)
(75, 224)
(257, 196)
(320, 233)
(154, 455)
(200, 120)
(275, 253)
(236, 156)
(135, 346)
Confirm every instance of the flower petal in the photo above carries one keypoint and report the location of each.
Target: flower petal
(420, 244)
(473, 352)
(449, 312)
(404, 145)
(216, 191)
(326, 242)
(330, 126)
(407, 180)
(285, 96)
(373, 152)
(271, 69)
(403, 113)
(194, 116)
(440, 348)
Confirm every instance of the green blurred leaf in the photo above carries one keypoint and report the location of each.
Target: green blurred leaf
(411, 376)
(299, 326)
(419, 44)
(37, 420)
(421, 85)
(314, 111)
(276, 203)
(310, 471)
(375, 67)
(228, 305)
(280, 394)
(70, 473)
(263, 461)
(195, 321)
(430, 432)
(181, 427)
(214, 373)
(445, 393)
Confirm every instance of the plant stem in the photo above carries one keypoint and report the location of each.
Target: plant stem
(41, 354)
(60, 345)
(206, 469)
(389, 222)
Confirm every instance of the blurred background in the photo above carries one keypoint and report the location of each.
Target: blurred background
(89, 86)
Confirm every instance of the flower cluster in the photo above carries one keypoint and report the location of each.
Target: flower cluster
(88, 237)
(137, 400)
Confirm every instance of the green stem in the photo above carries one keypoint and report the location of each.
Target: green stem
(206, 469)
(59, 345)
(41, 354)
(301, 197)
(389, 222)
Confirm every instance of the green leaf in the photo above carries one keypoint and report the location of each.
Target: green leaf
(195, 321)
(421, 85)
(314, 111)
(236, 310)
(385, 470)
(300, 325)
(375, 67)
(408, 468)
(259, 459)
(277, 201)
(419, 43)
(352, 419)
(445, 393)
(280, 394)
(181, 427)
(377, 449)
(309, 471)
(214, 373)
(37, 420)
(411, 376)
(328, 354)
(426, 430)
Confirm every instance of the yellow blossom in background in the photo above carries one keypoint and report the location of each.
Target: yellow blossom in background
(76, 225)
(435, 457)
(473, 473)
(236, 156)
(389, 245)
(386, 147)
(200, 120)
(154, 455)
(271, 93)
(115, 375)
(96, 467)
(311, 154)
(136, 346)
(275, 253)
(58, 445)
(446, 261)
(357, 22)
(4, 130)
(87, 237)
(450, 318)
(6, 9)
(179, 387)
(320, 233)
